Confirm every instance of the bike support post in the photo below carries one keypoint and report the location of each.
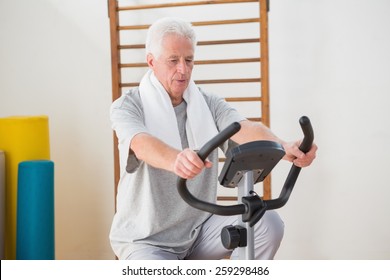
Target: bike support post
(245, 187)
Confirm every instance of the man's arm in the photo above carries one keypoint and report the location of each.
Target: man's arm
(187, 164)
(156, 153)
(252, 131)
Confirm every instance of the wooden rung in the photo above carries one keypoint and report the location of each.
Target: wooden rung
(227, 61)
(199, 62)
(181, 4)
(133, 65)
(200, 43)
(225, 42)
(229, 81)
(133, 46)
(128, 85)
(227, 198)
(228, 21)
(255, 119)
(198, 23)
(134, 27)
(242, 99)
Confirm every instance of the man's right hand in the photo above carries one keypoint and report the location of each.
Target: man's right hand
(188, 164)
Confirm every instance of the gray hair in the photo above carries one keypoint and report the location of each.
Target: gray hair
(163, 27)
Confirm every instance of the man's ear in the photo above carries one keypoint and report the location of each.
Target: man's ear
(150, 60)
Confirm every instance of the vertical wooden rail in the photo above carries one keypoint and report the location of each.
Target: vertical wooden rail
(264, 65)
(115, 73)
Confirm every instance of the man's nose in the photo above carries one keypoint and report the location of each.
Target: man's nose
(182, 67)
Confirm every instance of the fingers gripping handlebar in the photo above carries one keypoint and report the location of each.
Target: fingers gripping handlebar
(230, 210)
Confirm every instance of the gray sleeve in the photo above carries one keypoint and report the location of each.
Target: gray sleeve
(127, 120)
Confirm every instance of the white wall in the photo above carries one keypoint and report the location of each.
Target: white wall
(329, 60)
(55, 60)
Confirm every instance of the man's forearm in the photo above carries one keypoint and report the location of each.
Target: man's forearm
(252, 131)
(153, 151)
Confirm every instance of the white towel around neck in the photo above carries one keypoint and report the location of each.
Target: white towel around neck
(160, 117)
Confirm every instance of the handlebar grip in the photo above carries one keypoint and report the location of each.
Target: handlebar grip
(218, 140)
(308, 133)
(308, 138)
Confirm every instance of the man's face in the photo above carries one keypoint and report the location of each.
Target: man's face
(173, 67)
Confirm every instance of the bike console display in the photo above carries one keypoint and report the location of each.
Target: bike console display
(257, 156)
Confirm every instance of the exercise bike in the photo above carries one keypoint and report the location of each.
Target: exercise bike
(246, 165)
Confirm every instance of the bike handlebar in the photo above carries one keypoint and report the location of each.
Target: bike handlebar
(231, 210)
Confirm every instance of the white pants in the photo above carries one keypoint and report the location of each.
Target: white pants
(208, 246)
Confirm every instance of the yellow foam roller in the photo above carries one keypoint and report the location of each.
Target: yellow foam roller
(2, 203)
(21, 138)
